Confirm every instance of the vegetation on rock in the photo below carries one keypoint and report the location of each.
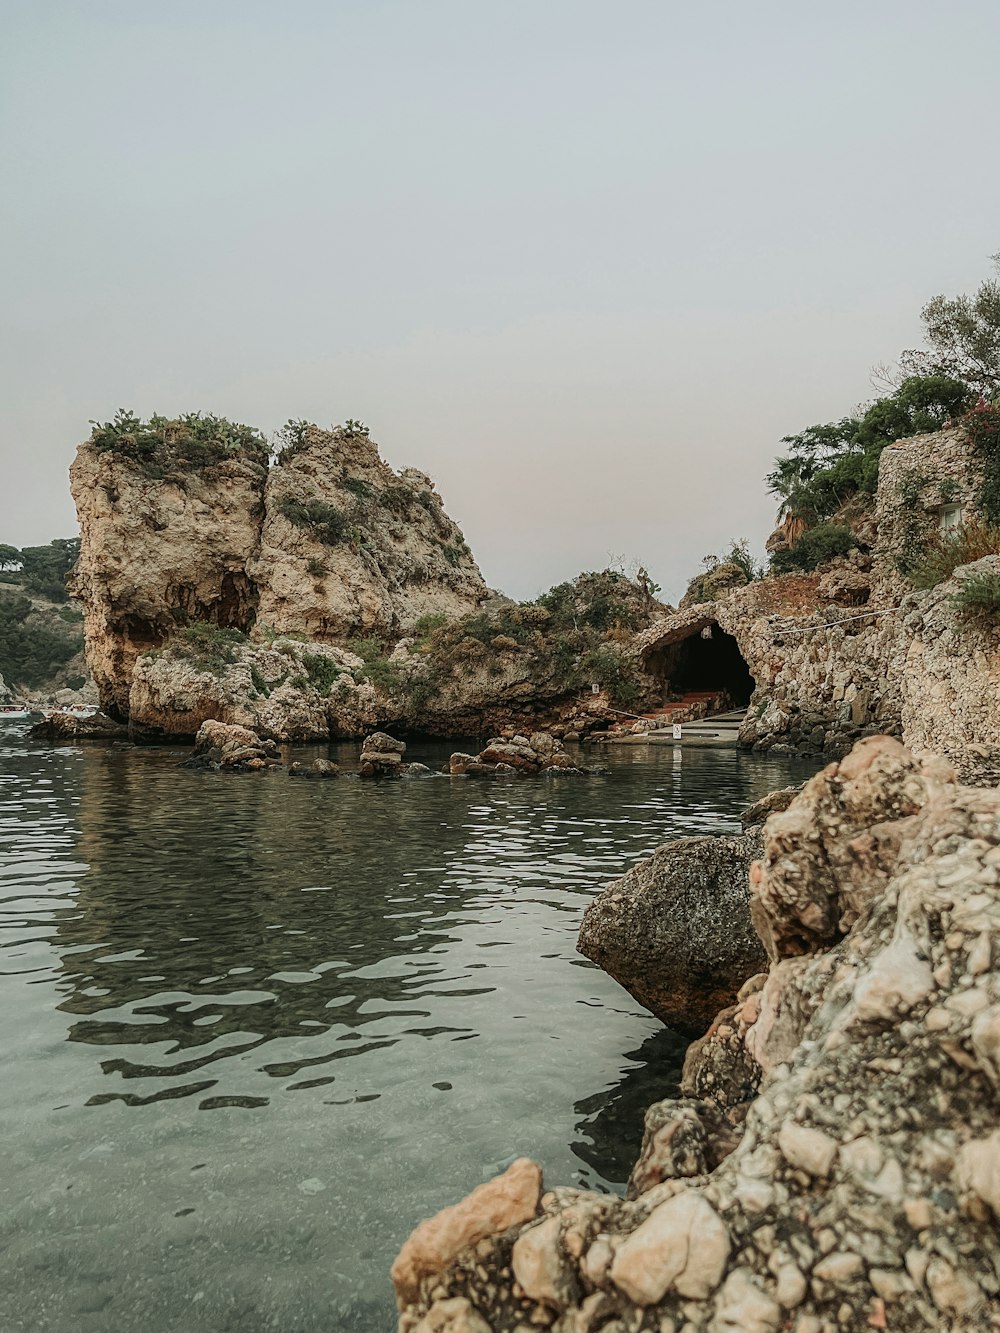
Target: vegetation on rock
(208, 647)
(948, 552)
(814, 548)
(978, 596)
(324, 521)
(163, 446)
(828, 464)
(576, 634)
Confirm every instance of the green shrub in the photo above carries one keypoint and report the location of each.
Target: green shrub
(452, 554)
(814, 548)
(939, 560)
(377, 668)
(208, 647)
(426, 625)
(362, 490)
(315, 567)
(324, 521)
(978, 597)
(190, 442)
(322, 672)
(292, 438)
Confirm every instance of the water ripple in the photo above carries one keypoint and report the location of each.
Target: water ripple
(373, 992)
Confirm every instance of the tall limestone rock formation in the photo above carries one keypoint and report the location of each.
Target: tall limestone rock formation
(164, 541)
(183, 523)
(351, 548)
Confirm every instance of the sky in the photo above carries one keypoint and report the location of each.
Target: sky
(583, 262)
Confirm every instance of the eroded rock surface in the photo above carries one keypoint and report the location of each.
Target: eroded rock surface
(860, 1187)
(675, 931)
(157, 551)
(330, 543)
(349, 547)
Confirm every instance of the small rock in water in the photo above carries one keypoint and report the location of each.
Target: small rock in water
(311, 1186)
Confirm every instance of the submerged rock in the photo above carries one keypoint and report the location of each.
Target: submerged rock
(675, 931)
(518, 756)
(860, 1188)
(74, 727)
(318, 770)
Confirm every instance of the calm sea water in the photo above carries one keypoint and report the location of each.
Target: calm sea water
(253, 1030)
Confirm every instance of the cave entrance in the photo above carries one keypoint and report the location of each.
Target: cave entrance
(706, 661)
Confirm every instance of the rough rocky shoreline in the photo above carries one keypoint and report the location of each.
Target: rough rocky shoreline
(834, 1163)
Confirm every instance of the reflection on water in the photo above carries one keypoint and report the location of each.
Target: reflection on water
(255, 1029)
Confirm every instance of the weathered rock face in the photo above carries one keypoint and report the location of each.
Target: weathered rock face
(675, 931)
(285, 690)
(58, 727)
(852, 650)
(350, 548)
(860, 1189)
(331, 544)
(159, 551)
(950, 680)
(918, 480)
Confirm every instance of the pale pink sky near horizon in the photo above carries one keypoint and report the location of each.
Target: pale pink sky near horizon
(583, 263)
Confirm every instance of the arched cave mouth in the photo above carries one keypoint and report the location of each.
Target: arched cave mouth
(699, 663)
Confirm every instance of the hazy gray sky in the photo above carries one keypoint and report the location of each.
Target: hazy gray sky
(583, 262)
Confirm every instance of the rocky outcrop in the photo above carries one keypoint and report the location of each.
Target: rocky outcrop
(222, 745)
(285, 690)
(350, 548)
(918, 479)
(157, 551)
(382, 756)
(330, 543)
(58, 727)
(675, 931)
(513, 755)
(859, 1188)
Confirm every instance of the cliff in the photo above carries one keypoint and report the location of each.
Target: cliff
(350, 548)
(183, 523)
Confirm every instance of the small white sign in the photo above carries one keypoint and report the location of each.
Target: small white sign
(594, 687)
(678, 733)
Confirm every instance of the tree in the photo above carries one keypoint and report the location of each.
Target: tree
(827, 464)
(10, 557)
(964, 336)
(44, 569)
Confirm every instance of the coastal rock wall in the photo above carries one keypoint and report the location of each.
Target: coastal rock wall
(949, 672)
(860, 1187)
(286, 690)
(923, 483)
(818, 660)
(157, 551)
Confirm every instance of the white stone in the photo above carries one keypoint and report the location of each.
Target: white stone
(683, 1244)
(806, 1149)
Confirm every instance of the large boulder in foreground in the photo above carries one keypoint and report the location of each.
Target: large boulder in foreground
(861, 1188)
(676, 932)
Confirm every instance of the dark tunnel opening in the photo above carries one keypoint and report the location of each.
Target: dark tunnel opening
(704, 663)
